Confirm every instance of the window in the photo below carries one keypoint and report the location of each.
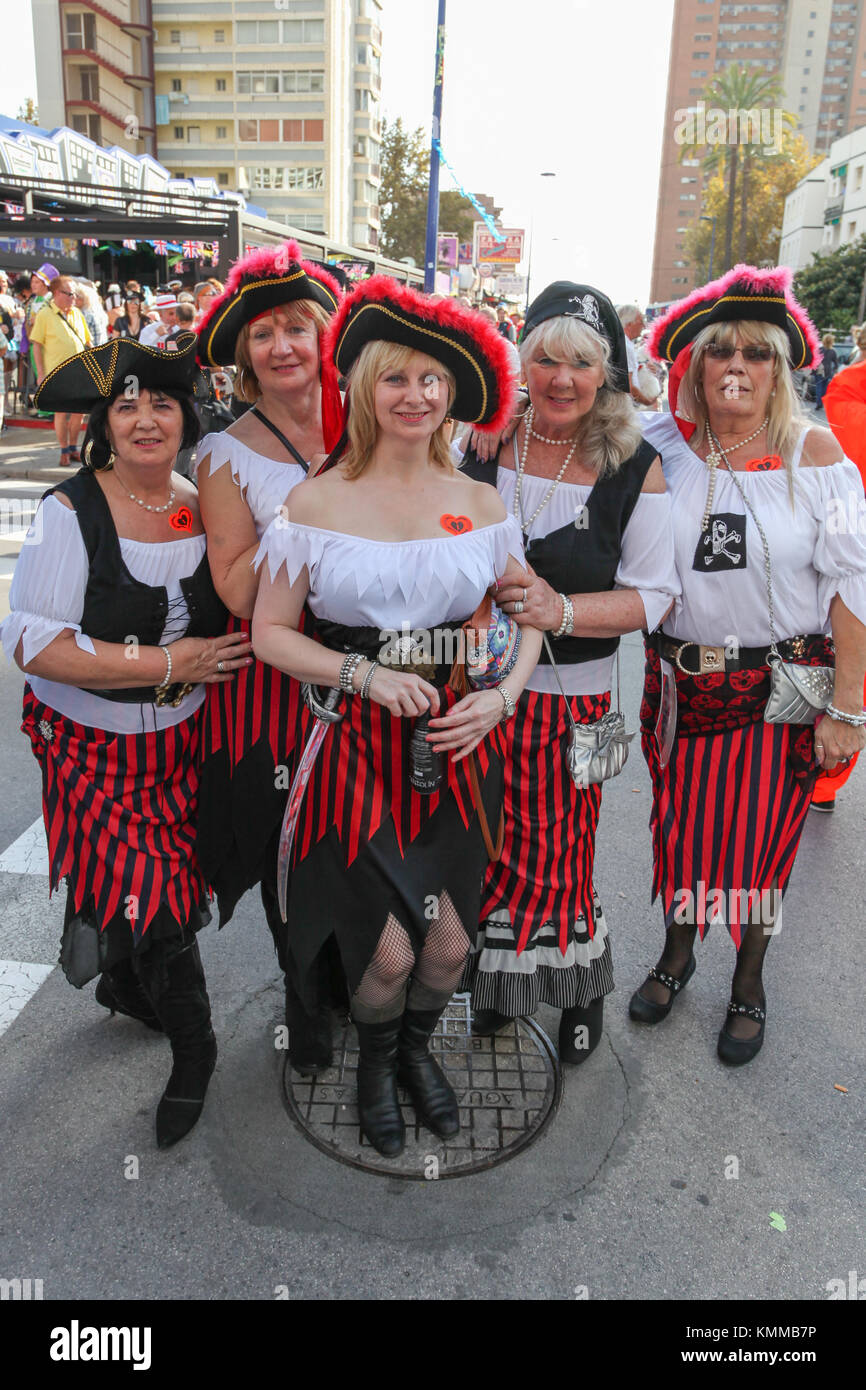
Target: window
(248, 130)
(299, 178)
(175, 84)
(219, 36)
(220, 84)
(296, 132)
(360, 149)
(174, 36)
(266, 82)
(178, 132)
(258, 31)
(222, 132)
(852, 230)
(303, 31)
(269, 131)
(81, 32)
(193, 134)
(223, 180)
(858, 178)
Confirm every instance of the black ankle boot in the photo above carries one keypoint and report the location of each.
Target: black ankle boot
(310, 1040)
(119, 990)
(486, 1022)
(174, 981)
(378, 1106)
(591, 1018)
(434, 1101)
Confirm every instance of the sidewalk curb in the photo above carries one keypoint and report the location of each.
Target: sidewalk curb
(48, 476)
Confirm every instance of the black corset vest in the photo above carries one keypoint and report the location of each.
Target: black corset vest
(118, 607)
(582, 557)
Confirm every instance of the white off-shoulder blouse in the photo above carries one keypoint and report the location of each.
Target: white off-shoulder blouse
(817, 546)
(368, 583)
(47, 597)
(264, 483)
(646, 565)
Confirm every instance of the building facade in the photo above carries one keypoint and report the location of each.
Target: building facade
(94, 70)
(276, 99)
(818, 50)
(828, 208)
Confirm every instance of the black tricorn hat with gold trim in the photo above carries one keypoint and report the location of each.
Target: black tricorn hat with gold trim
(101, 373)
(380, 309)
(261, 280)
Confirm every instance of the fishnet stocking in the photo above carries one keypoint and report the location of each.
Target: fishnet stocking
(379, 996)
(441, 962)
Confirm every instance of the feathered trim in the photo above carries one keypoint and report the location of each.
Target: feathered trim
(446, 315)
(776, 280)
(263, 263)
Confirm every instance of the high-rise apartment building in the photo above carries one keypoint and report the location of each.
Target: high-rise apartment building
(277, 99)
(94, 70)
(816, 47)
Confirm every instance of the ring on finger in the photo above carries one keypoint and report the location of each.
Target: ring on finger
(517, 606)
(220, 666)
(524, 595)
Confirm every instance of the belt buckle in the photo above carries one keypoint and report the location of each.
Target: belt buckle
(411, 659)
(711, 659)
(678, 658)
(798, 646)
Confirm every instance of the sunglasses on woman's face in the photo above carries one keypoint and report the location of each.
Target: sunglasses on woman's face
(752, 352)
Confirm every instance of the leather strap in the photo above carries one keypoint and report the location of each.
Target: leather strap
(286, 443)
(493, 851)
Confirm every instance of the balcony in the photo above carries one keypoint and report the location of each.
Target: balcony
(104, 106)
(833, 211)
(134, 24)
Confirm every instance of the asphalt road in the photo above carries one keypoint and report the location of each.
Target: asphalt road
(658, 1178)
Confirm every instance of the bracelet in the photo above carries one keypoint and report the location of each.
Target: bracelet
(166, 680)
(508, 702)
(368, 680)
(566, 627)
(351, 662)
(858, 720)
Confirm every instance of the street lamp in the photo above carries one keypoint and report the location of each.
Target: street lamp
(703, 218)
(545, 174)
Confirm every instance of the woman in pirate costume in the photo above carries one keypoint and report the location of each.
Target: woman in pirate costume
(268, 324)
(114, 620)
(391, 539)
(769, 577)
(590, 496)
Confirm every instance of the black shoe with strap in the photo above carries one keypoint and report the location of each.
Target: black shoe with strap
(432, 1096)
(735, 1052)
(644, 1010)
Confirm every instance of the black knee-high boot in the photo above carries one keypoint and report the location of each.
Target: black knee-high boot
(119, 990)
(310, 1037)
(172, 976)
(433, 1098)
(378, 1105)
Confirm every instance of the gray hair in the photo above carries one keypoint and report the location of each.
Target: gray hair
(628, 313)
(609, 433)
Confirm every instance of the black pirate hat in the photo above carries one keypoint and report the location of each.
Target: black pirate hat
(743, 293)
(101, 373)
(259, 281)
(565, 299)
(380, 309)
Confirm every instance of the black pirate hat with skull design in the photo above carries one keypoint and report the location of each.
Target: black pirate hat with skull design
(565, 299)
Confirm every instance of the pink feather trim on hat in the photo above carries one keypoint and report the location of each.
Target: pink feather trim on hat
(266, 263)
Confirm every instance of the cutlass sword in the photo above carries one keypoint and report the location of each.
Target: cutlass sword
(325, 714)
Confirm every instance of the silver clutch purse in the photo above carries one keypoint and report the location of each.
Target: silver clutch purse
(597, 751)
(798, 694)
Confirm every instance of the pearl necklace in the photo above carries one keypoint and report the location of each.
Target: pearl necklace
(521, 469)
(541, 437)
(147, 506)
(716, 456)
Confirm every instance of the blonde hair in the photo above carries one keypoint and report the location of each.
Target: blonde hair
(296, 311)
(785, 417)
(374, 360)
(609, 433)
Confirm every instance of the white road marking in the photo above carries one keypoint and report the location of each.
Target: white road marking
(28, 854)
(19, 981)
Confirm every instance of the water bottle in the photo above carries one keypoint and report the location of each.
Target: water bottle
(426, 766)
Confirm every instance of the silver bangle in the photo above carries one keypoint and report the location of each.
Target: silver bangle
(858, 720)
(351, 662)
(368, 680)
(508, 702)
(166, 680)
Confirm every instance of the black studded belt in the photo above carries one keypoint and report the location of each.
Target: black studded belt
(697, 659)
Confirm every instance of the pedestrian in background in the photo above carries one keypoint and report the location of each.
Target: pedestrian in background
(59, 332)
(826, 370)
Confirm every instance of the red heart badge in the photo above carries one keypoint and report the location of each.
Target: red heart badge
(769, 464)
(455, 524)
(181, 520)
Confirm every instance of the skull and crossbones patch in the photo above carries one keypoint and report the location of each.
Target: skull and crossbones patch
(723, 545)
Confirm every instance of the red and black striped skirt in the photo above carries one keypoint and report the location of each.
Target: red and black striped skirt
(120, 813)
(729, 807)
(543, 937)
(367, 844)
(249, 736)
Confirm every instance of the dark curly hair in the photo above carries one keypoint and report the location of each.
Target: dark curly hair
(97, 433)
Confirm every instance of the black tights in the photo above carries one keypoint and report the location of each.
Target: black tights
(747, 984)
(381, 995)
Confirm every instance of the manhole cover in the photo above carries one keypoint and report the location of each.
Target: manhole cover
(508, 1087)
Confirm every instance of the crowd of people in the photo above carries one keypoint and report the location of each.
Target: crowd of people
(368, 663)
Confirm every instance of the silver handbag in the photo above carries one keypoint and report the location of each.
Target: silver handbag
(798, 694)
(596, 751)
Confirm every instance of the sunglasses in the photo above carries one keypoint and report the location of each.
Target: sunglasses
(752, 352)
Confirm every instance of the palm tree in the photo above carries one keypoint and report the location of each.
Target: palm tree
(741, 91)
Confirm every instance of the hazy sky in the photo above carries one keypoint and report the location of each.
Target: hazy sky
(572, 86)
